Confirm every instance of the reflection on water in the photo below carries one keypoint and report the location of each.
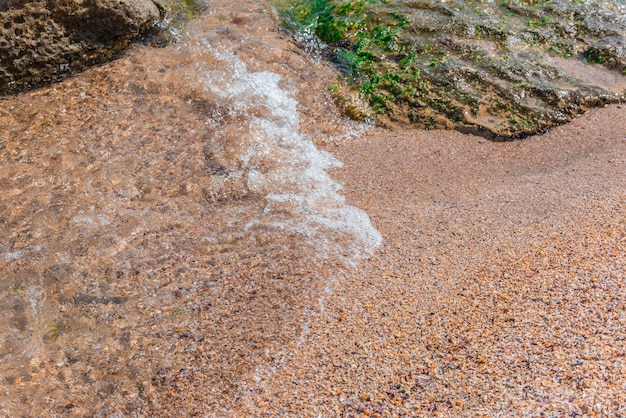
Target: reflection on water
(168, 225)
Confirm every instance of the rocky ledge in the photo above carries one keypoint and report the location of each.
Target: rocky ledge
(501, 69)
(45, 39)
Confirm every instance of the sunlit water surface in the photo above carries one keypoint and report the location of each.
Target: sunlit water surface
(168, 223)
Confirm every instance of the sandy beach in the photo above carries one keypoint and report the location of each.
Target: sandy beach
(499, 289)
(144, 274)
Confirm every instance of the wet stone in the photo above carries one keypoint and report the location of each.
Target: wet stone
(497, 69)
(44, 40)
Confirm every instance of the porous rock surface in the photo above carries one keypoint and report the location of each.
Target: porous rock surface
(499, 69)
(42, 39)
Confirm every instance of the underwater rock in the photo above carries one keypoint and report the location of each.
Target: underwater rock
(46, 39)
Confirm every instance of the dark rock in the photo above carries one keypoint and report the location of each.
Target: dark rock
(46, 39)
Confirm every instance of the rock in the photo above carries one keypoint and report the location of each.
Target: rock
(500, 69)
(351, 103)
(44, 39)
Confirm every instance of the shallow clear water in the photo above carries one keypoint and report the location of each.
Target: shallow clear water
(170, 204)
(284, 166)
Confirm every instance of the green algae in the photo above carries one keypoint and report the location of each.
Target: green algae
(502, 70)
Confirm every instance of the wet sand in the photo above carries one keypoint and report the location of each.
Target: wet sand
(130, 288)
(500, 288)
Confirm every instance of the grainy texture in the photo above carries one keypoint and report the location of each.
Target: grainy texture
(46, 38)
(500, 288)
(131, 286)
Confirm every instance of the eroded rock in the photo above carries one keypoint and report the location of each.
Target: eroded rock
(512, 68)
(503, 70)
(42, 39)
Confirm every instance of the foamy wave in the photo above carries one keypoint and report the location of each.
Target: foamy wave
(286, 167)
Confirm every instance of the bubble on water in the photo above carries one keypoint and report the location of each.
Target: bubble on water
(12, 255)
(285, 166)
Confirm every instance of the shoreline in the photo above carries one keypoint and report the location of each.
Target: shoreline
(499, 287)
(131, 287)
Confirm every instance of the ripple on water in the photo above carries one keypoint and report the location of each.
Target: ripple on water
(167, 221)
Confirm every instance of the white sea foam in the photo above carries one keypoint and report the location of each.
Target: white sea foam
(12, 255)
(285, 166)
